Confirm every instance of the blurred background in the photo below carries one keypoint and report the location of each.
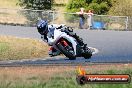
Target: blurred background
(108, 14)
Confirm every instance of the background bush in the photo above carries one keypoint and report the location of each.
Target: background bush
(121, 8)
(36, 4)
(98, 6)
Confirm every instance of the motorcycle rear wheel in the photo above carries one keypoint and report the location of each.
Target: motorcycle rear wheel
(87, 53)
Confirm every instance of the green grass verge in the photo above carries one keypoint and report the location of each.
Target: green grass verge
(3, 47)
(64, 80)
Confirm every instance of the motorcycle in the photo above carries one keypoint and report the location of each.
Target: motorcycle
(68, 45)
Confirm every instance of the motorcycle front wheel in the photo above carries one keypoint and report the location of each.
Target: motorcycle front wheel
(67, 51)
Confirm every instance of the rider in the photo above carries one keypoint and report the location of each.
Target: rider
(47, 31)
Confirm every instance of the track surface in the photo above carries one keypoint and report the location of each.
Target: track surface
(113, 46)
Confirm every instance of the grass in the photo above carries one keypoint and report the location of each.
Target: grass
(9, 15)
(3, 47)
(61, 1)
(13, 3)
(9, 4)
(13, 48)
(16, 17)
(67, 80)
(57, 76)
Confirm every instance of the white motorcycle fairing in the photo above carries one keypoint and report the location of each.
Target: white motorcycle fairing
(57, 35)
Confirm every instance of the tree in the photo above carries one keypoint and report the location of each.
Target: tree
(121, 8)
(34, 16)
(36, 4)
(98, 6)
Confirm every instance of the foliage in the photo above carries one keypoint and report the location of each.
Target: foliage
(33, 16)
(121, 8)
(98, 6)
(36, 4)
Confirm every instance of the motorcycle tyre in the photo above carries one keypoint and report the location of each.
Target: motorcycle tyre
(65, 52)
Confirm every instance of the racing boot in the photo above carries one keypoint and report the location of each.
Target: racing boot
(53, 52)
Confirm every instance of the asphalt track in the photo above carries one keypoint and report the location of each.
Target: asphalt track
(113, 46)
